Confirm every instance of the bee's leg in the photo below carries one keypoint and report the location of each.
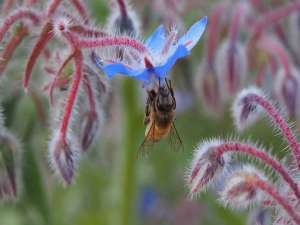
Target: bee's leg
(146, 120)
(147, 113)
(151, 96)
(169, 85)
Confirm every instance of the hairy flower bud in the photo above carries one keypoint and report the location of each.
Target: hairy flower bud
(96, 91)
(124, 20)
(286, 88)
(206, 166)
(89, 129)
(245, 111)
(282, 218)
(63, 156)
(294, 32)
(259, 216)
(207, 86)
(240, 190)
(231, 66)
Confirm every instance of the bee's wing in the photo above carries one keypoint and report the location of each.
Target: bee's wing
(147, 145)
(175, 141)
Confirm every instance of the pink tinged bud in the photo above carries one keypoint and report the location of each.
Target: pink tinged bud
(10, 152)
(123, 19)
(206, 166)
(208, 88)
(240, 190)
(89, 129)
(282, 218)
(294, 33)
(286, 88)
(247, 186)
(231, 67)
(259, 216)
(261, 154)
(63, 155)
(245, 112)
(96, 91)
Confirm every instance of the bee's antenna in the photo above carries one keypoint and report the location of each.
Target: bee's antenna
(168, 84)
(159, 82)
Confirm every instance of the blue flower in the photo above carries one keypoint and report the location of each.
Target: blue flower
(162, 54)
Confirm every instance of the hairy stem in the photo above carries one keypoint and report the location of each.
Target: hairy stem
(18, 16)
(274, 194)
(262, 155)
(52, 7)
(11, 46)
(73, 92)
(280, 122)
(44, 37)
(58, 73)
(81, 9)
(122, 7)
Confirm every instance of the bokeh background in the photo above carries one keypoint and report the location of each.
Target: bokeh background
(113, 186)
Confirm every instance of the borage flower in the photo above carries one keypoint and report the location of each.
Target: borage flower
(162, 51)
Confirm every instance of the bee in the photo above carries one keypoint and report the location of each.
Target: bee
(159, 116)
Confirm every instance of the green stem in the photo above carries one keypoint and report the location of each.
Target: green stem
(128, 158)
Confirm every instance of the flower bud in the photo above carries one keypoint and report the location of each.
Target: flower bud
(259, 216)
(93, 116)
(240, 190)
(124, 20)
(245, 111)
(231, 67)
(282, 218)
(63, 156)
(89, 128)
(294, 32)
(206, 166)
(286, 88)
(207, 87)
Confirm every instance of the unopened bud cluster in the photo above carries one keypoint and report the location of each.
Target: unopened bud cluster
(244, 185)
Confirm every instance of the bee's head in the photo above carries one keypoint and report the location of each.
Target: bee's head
(164, 100)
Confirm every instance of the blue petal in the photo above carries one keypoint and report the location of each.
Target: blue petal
(193, 35)
(162, 71)
(156, 41)
(118, 68)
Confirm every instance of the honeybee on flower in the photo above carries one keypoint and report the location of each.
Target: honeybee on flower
(150, 63)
